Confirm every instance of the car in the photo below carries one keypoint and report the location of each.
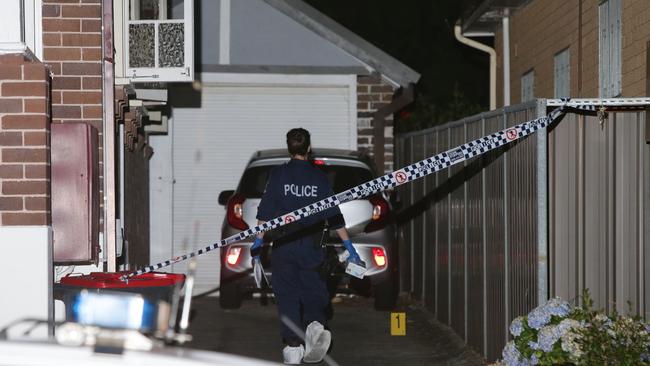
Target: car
(49, 353)
(370, 223)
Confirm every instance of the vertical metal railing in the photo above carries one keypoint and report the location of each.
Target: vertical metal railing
(455, 224)
(550, 215)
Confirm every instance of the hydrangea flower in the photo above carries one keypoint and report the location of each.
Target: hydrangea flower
(517, 326)
(645, 357)
(541, 315)
(557, 307)
(570, 337)
(538, 318)
(558, 338)
(547, 337)
(512, 357)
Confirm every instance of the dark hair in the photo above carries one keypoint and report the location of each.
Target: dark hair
(298, 141)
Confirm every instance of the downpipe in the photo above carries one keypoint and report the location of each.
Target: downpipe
(493, 62)
(108, 122)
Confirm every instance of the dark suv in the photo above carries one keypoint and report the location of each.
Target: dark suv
(369, 222)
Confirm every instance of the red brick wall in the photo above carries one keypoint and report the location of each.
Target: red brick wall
(72, 46)
(372, 94)
(24, 142)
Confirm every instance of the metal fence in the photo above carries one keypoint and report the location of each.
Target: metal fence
(485, 241)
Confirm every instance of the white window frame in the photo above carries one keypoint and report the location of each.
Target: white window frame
(21, 27)
(609, 52)
(562, 74)
(161, 74)
(528, 86)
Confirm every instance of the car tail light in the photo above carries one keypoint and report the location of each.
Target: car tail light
(235, 213)
(379, 256)
(380, 212)
(233, 255)
(318, 162)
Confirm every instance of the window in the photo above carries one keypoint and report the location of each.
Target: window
(159, 39)
(340, 177)
(562, 75)
(20, 26)
(609, 14)
(528, 86)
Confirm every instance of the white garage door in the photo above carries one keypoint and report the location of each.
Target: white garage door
(212, 144)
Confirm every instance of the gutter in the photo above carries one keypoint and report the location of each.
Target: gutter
(493, 62)
(108, 79)
(405, 98)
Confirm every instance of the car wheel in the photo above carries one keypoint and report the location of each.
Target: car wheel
(229, 296)
(385, 295)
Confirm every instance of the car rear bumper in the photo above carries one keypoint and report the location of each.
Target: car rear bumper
(241, 271)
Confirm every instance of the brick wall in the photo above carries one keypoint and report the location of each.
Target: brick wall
(636, 34)
(543, 28)
(24, 142)
(72, 47)
(372, 94)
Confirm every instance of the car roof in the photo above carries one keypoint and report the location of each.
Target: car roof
(321, 153)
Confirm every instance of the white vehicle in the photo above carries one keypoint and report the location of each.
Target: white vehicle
(52, 354)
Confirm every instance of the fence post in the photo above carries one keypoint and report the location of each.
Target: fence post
(542, 207)
(425, 216)
(465, 237)
(484, 251)
(506, 237)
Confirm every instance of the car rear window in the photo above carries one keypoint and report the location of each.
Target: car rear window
(341, 178)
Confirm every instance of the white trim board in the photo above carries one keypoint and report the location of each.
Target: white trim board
(28, 250)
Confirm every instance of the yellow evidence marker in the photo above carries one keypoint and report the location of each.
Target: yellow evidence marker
(398, 324)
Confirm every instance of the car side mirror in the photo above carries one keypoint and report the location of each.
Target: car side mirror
(224, 196)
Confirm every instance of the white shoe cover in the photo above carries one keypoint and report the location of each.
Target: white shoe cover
(293, 355)
(317, 342)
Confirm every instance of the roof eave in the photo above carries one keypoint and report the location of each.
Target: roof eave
(362, 50)
(486, 16)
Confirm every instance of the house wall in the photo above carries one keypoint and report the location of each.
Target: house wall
(24, 142)
(25, 214)
(275, 39)
(72, 48)
(543, 28)
(636, 34)
(372, 94)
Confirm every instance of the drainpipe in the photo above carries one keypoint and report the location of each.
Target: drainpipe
(109, 135)
(506, 57)
(493, 62)
(402, 100)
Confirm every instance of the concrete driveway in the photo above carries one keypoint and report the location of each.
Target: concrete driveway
(360, 334)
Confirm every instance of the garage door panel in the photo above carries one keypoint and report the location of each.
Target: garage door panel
(211, 146)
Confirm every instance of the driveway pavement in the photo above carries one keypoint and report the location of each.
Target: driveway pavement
(361, 335)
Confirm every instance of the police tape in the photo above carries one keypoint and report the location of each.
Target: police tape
(398, 177)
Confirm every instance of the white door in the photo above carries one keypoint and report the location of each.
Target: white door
(212, 144)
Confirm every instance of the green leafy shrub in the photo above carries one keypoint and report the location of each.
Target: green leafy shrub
(557, 333)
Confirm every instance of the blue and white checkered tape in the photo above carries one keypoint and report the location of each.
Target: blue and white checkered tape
(401, 176)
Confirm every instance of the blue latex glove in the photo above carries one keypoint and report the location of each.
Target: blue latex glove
(354, 256)
(256, 247)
